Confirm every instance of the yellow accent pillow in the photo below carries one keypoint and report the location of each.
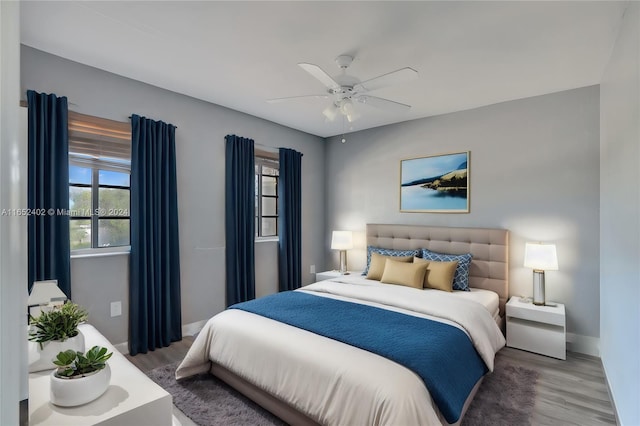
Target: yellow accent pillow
(376, 267)
(403, 273)
(439, 274)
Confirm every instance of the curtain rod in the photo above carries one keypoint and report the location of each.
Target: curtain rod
(157, 120)
(25, 104)
(270, 149)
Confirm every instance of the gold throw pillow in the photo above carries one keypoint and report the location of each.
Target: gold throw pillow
(403, 273)
(439, 274)
(376, 267)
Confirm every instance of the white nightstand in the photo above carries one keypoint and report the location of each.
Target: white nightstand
(539, 329)
(327, 275)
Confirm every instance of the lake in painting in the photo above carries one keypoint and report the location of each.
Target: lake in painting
(436, 184)
(418, 198)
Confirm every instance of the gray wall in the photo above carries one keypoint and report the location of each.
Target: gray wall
(534, 171)
(620, 219)
(95, 283)
(200, 166)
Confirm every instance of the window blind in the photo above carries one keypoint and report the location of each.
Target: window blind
(95, 140)
(263, 153)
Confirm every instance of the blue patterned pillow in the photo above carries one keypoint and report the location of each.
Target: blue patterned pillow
(387, 252)
(461, 278)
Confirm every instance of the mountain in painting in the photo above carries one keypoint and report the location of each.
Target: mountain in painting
(453, 179)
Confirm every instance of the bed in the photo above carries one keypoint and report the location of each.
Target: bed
(305, 376)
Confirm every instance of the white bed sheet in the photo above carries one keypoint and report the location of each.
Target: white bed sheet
(332, 382)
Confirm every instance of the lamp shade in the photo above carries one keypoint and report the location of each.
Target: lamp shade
(342, 240)
(540, 256)
(44, 292)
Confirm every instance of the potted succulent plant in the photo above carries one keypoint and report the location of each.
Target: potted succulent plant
(80, 377)
(54, 331)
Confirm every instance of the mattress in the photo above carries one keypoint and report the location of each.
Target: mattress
(487, 298)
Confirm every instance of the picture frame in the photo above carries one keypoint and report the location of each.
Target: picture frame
(435, 184)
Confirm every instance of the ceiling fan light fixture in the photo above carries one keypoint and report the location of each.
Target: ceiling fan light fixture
(353, 117)
(347, 106)
(330, 112)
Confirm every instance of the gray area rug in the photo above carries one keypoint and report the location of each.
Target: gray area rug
(505, 398)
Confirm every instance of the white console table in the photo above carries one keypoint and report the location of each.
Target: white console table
(131, 399)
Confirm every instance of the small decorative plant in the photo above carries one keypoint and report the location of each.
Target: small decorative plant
(60, 323)
(72, 364)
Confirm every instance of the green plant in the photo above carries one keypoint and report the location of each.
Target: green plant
(76, 364)
(60, 323)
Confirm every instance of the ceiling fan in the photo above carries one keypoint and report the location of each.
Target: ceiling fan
(346, 90)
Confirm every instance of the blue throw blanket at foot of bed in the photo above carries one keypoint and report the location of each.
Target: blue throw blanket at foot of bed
(441, 354)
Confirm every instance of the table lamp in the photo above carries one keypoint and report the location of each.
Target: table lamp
(540, 257)
(343, 241)
(44, 295)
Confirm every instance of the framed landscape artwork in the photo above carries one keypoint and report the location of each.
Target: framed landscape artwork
(435, 184)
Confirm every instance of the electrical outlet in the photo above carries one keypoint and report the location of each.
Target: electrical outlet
(116, 309)
(312, 269)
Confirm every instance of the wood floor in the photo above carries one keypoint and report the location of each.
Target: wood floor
(159, 357)
(571, 392)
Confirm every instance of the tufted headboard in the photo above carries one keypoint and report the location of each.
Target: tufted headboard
(490, 249)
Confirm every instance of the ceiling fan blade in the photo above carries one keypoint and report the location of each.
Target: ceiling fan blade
(294, 98)
(319, 73)
(381, 103)
(394, 77)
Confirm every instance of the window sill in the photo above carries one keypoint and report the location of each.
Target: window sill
(87, 253)
(267, 239)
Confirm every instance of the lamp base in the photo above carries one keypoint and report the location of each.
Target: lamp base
(343, 262)
(538, 288)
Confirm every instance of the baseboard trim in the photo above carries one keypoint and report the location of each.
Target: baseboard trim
(187, 330)
(193, 328)
(583, 344)
(610, 392)
(123, 347)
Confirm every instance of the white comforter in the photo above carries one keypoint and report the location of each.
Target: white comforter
(332, 382)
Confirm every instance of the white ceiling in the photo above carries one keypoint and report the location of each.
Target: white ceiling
(239, 54)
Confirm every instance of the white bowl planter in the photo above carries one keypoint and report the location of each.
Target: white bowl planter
(70, 392)
(42, 358)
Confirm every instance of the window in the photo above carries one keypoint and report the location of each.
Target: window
(99, 182)
(266, 185)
